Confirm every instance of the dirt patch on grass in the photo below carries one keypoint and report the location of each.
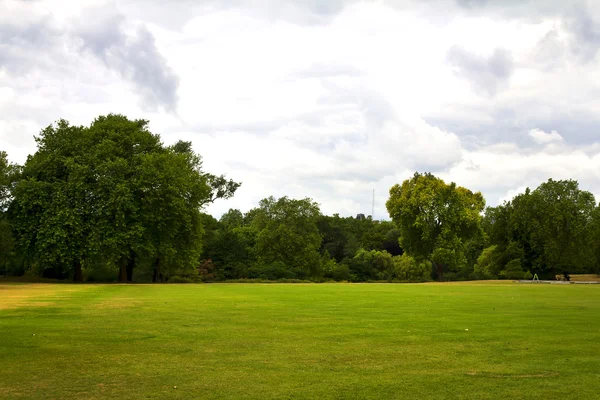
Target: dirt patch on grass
(496, 282)
(33, 295)
(512, 376)
(585, 278)
(116, 303)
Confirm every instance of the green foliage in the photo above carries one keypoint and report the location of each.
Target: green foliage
(288, 235)
(489, 264)
(408, 269)
(272, 271)
(549, 229)
(513, 270)
(99, 202)
(8, 175)
(435, 219)
(112, 193)
(372, 265)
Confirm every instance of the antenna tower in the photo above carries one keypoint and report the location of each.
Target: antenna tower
(373, 207)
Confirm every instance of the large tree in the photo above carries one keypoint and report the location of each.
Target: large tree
(8, 173)
(548, 230)
(288, 234)
(112, 193)
(561, 217)
(52, 207)
(435, 219)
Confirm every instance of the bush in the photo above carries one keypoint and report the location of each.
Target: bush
(270, 272)
(488, 263)
(407, 269)
(100, 273)
(341, 273)
(372, 265)
(207, 271)
(513, 270)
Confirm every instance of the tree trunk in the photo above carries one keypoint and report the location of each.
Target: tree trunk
(440, 272)
(123, 273)
(78, 274)
(130, 266)
(157, 276)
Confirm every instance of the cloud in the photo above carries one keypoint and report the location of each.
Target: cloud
(486, 74)
(503, 171)
(25, 40)
(328, 100)
(33, 40)
(134, 56)
(301, 12)
(542, 137)
(585, 34)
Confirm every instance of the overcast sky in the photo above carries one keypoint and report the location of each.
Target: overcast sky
(323, 99)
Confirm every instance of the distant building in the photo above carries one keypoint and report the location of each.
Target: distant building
(360, 217)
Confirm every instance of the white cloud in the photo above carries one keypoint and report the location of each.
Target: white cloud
(542, 137)
(325, 101)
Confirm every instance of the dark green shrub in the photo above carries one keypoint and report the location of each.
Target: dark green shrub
(513, 270)
(341, 273)
(273, 271)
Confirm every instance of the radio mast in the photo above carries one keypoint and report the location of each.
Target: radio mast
(373, 207)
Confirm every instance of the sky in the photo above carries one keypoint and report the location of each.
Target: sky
(322, 99)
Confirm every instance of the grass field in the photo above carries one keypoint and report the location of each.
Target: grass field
(280, 341)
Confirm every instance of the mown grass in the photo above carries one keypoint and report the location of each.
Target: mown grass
(300, 341)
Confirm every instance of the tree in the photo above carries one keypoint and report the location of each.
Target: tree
(112, 193)
(561, 216)
(232, 219)
(231, 246)
(548, 229)
(8, 173)
(52, 210)
(288, 233)
(372, 265)
(489, 263)
(435, 219)
(407, 268)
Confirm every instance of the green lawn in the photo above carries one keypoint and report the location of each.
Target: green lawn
(279, 341)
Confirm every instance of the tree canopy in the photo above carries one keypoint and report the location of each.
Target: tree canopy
(111, 193)
(110, 200)
(548, 230)
(435, 219)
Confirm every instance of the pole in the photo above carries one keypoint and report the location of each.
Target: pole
(373, 207)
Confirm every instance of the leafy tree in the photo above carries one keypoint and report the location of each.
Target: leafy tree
(513, 270)
(53, 206)
(372, 265)
(407, 268)
(561, 216)
(489, 263)
(547, 229)
(232, 251)
(112, 193)
(8, 173)
(288, 233)
(343, 237)
(435, 219)
(232, 219)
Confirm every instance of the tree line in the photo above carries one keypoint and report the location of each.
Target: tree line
(111, 202)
